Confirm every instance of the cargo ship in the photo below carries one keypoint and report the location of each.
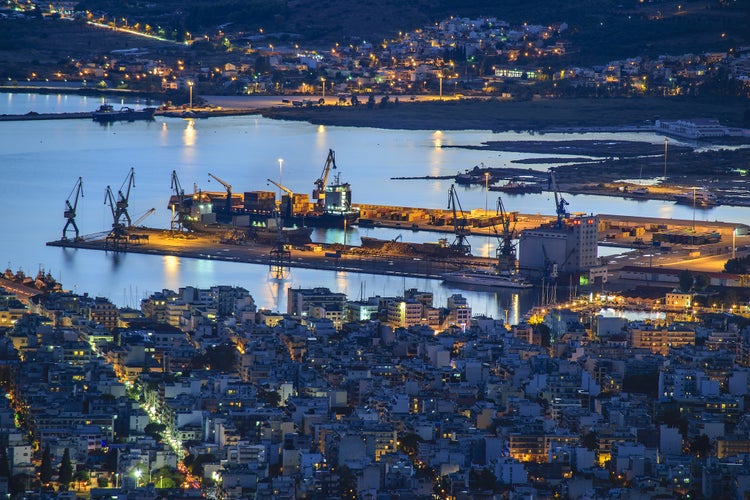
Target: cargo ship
(336, 209)
(486, 278)
(107, 113)
(331, 206)
(701, 198)
(435, 249)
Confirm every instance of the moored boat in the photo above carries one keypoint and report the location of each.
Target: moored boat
(108, 113)
(486, 278)
(515, 187)
(702, 198)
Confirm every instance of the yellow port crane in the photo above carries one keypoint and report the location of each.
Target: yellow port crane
(70, 209)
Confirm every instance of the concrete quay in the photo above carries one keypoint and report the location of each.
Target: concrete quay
(209, 247)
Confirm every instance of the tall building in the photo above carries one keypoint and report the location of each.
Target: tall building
(302, 302)
(660, 339)
(551, 249)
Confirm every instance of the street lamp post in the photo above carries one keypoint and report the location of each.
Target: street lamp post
(190, 89)
(323, 81)
(694, 189)
(440, 77)
(486, 189)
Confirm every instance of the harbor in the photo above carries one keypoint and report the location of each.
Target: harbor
(244, 151)
(400, 257)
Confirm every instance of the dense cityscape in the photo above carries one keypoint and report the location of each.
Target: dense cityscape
(206, 393)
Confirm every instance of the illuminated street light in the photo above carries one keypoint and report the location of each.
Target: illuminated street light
(486, 188)
(190, 87)
(323, 81)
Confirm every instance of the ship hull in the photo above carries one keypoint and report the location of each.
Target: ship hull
(314, 219)
(125, 114)
(485, 279)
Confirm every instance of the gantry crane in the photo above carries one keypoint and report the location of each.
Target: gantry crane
(460, 224)
(228, 187)
(319, 193)
(506, 252)
(560, 202)
(70, 209)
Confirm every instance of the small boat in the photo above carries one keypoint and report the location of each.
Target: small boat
(107, 113)
(478, 175)
(515, 187)
(701, 198)
(486, 278)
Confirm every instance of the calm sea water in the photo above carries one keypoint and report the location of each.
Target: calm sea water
(41, 161)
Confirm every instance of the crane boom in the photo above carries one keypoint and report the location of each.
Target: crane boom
(126, 185)
(228, 187)
(70, 209)
(143, 217)
(283, 188)
(320, 184)
(176, 186)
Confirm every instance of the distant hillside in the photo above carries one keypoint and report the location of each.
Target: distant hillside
(602, 29)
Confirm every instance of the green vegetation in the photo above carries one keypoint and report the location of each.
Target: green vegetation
(65, 473)
(739, 265)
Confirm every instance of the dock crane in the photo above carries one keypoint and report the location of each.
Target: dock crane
(70, 209)
(560, 202)
(460, 224)
(228, 187)
(119, 208)
(280, 255)
(140, 219)
(289, 192)
(319, 193)
(177, 202)
(506, 252)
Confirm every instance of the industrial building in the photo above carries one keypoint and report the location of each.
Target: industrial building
(564, 247)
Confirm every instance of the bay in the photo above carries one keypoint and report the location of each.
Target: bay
(41, 161)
